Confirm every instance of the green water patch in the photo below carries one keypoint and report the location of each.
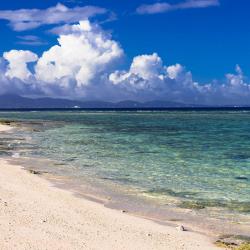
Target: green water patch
(244, 246)
(170, 192)
(192, 205)
(243, 207)
(238, 156)
(120, 180)
(5, 153)
(70, 159)
(236, 242)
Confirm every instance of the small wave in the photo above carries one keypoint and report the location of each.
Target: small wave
(15, 155)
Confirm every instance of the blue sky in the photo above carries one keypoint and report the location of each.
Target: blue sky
(208, 41)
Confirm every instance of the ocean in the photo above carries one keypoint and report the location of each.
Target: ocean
(197, 160)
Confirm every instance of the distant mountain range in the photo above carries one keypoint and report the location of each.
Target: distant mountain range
(10, 101)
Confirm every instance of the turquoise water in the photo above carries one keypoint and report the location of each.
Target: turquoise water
(199, 157)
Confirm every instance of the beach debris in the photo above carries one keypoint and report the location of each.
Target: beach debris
(149, 234)
(43, 220)
(32, 171)
(181, 228)
(123, 211)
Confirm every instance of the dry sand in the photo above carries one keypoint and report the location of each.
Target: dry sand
(36, 215)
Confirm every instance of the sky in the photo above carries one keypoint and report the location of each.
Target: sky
(190, 51)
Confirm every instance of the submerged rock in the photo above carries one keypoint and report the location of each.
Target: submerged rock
(244, 178)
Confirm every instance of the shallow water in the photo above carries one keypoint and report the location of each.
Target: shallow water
(201, 158)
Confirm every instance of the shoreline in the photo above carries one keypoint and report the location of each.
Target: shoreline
(36, 213)
(116, 198)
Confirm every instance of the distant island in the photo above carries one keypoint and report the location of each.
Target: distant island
(12, 101)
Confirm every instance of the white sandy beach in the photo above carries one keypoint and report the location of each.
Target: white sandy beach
(36, 215)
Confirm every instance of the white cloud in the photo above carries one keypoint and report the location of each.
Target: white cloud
(31, 40)
(149, 79)
(153, 8)
(84, 64)
(174, 71)
(82, 54)
(165, 7)
(144, 71)
(26, 19)
(235, 86)
(18, 60)
(197, 4)
(147, 66)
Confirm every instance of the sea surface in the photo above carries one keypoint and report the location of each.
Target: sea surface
(190, 159)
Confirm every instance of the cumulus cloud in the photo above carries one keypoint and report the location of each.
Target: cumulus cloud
(27, 19)
(165, 7)
(18, 60)
(149, 79)
(144, 70)
(82, 53)
(84, 65)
